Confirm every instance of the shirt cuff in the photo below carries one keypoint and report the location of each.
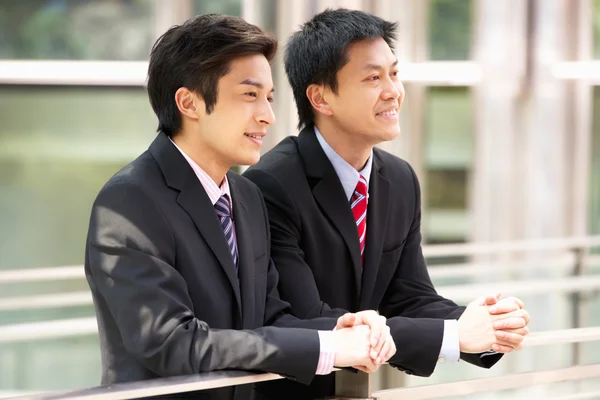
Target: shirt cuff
(450, 351)
(327, 355)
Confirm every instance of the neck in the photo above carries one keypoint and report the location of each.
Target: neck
(202, 155)
(354, 150)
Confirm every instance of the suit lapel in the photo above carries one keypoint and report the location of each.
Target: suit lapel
(194, 200)
(244, 236)
(378, 206)
(329, 193)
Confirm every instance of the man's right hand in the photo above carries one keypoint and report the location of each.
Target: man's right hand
(477, 329)
(353, 347)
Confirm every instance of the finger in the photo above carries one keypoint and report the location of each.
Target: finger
(384, 350)
(514, 346)
(377, 325)
(369, 366)
(510, 323)
(381, 338)
(509, 337)
(518, 313)
(346, 321)
(392, 350)
(489, 300)
(492, 299)
(501, 349)
(504, 306)
(518, 301)
(521, 331)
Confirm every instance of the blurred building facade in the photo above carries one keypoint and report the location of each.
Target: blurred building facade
(501, 122)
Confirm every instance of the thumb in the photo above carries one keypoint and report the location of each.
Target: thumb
(489, 300)
(346, 321)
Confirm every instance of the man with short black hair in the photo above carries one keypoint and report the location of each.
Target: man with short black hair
(178, 248)
(345, 216)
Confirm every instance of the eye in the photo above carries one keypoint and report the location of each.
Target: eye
(270, 99)
(395, 73)
(374, 78)
(251, 94)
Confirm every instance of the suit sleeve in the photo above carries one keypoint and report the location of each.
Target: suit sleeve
(296, 284)
(411, 292)
(130, 258)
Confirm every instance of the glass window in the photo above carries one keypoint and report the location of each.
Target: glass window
(76, 29)
(59, 146)
(50, 365)
(450, 24)
(448, 147)
(597, 29)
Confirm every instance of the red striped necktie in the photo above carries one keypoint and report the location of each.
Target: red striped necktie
(358, 204)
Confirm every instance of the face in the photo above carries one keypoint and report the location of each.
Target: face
(233, 132)
(369, 93)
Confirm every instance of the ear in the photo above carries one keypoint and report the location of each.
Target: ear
(188, 103)
(316, 95)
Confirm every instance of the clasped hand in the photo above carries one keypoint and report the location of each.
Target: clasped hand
(489, 323)
(363, 341)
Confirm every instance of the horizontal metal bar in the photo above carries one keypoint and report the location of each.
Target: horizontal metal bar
(457, 270)
(563, 264)
(46, 330)
(81, 73)
(42, 274)
(578, 396)
(563, 336)
(72, 299)
(159, 387)
(465, 249)
(468, 292)
(133, 73)
(468, 387)
(578, 70)
(441, 73)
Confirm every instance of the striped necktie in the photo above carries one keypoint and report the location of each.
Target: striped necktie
(358, 204)
(224, 213)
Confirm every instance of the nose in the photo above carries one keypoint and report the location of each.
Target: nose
(393, 90)
(265, 115)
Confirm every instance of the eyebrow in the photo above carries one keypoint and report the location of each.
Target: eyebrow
(257, 84)
(379, 67)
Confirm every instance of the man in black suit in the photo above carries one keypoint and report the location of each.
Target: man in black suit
(178, 250)
(345, 216)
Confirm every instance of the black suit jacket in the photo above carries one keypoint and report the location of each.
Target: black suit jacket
(315, 246)
(166, 292)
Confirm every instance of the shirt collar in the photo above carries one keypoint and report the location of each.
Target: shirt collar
(213, 190)
(346, 173)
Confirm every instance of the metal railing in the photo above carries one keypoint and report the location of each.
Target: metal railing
(568, 256)
(355, 386)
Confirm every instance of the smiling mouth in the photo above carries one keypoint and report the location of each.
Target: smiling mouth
(389, 113)
(254, 136)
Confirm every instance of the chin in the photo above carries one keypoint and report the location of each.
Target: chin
(248, 159)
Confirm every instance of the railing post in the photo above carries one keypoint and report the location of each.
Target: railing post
(352, 385)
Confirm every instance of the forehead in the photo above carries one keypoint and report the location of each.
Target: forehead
(255, 68)
(368, 52)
